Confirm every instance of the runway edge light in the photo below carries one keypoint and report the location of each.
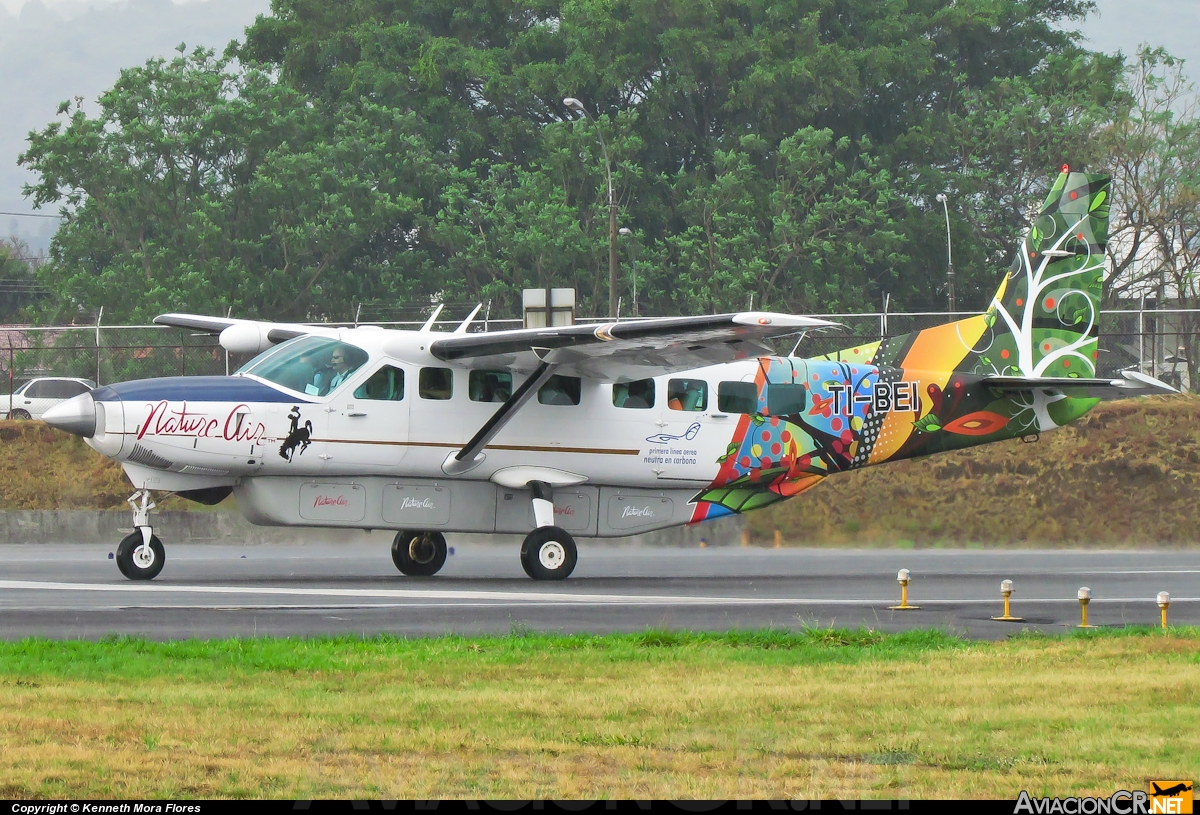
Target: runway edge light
(903, 577)
(1006, 588)
(1085, 596)
(1164, 601)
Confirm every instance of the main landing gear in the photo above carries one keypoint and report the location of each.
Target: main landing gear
(419, 554)
(548, 552)
(140, 555)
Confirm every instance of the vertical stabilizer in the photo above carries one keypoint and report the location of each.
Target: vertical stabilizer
(1043, 320)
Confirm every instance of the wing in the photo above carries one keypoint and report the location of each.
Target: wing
(240, 336)
(627, 350)
(1131, 383)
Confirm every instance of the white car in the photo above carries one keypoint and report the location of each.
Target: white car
(37, 396)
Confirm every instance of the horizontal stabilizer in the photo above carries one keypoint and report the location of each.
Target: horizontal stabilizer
(1131, 383)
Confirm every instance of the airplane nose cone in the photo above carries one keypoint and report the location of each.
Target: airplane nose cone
(76, 415)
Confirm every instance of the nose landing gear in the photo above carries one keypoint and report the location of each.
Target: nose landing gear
(140, 555)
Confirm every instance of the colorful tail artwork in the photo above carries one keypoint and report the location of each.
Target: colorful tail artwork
(937, 389)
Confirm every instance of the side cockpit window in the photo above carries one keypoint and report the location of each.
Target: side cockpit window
(310, 365)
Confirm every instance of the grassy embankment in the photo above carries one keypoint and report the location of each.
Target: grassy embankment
(1125, 475)
(815, 714)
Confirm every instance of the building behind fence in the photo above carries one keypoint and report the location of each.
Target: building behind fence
(1156, 342)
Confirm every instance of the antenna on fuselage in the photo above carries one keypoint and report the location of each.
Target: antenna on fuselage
(429, 323)
(462, 328)
(799, 340)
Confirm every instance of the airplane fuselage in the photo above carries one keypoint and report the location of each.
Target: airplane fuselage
(624, 458)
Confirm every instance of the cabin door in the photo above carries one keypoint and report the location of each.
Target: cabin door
(368, 421)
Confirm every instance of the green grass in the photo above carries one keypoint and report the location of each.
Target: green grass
(815, 713)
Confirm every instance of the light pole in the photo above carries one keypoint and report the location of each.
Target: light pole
(626, 232)
(574, 104)
(941, 196)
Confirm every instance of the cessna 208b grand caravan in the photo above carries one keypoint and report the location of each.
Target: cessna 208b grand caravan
(597, 430)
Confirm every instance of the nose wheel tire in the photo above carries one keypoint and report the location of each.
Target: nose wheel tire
(419, 554)
(549, 553)
(138, 562)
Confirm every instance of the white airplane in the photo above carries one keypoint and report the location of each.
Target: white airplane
(596, 430)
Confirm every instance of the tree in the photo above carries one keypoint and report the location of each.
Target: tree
(202, 187)
(391, 152)
(1154, 144)
(19, 289)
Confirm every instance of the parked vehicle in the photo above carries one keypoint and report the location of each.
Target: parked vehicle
(37, 396)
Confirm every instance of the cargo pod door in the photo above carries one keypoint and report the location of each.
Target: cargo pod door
(369, 420)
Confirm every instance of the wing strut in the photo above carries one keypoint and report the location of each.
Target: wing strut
(471, 456)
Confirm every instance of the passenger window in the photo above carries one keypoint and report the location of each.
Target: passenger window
(786, 400)
(489, 386)
(74, 388)
(687, 394)
(560, 390)
(637, 394)
(386, 384)
(37, 390)
(737, 397)
(436, 383)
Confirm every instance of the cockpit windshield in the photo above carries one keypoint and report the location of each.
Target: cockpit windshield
(312, 365)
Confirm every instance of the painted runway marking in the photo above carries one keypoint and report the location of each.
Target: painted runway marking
(469, 598)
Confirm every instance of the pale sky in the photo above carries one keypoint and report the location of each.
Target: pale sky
(51, 50)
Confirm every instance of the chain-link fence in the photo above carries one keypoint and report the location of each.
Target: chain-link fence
(1157, 342)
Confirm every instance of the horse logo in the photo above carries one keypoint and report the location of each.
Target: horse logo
(298, 436)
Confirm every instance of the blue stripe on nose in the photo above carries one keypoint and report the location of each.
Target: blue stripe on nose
(194, 389)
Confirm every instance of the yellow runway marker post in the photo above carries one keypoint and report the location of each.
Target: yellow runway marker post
(1085, 597)
(1006, 588)
(902, 577)
(1164, 600)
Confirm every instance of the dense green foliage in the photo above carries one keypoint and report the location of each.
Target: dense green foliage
(386, 152)
(18, 286)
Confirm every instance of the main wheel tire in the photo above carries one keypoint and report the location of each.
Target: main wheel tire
(549, 553)
(137, 564)
(19, 414)
(419, 554)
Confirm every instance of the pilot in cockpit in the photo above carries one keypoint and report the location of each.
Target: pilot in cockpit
(339, 369)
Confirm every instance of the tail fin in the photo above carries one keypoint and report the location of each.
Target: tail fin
(1043, 320)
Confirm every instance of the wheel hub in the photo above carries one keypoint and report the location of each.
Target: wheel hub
(552, 555)
(143, 557)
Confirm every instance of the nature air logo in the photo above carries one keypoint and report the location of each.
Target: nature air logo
(1171, 797)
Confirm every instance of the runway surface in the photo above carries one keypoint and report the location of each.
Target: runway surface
(208, 590)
